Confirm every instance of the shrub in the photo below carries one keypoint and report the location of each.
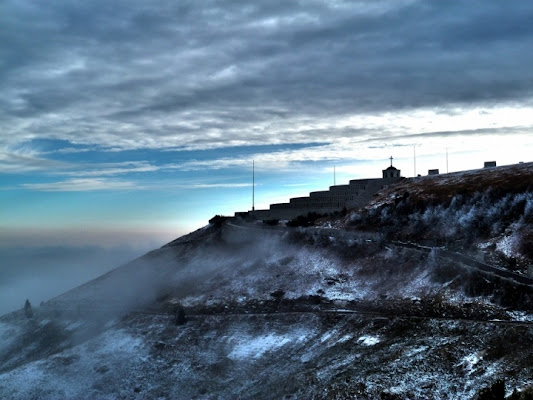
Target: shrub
(525, 245)
(305, 220)
(28, 312)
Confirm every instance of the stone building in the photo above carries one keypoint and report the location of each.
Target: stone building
(356, 194)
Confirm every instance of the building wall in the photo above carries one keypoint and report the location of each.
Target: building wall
(356, 194)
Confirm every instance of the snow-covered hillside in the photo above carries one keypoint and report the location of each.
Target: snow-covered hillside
(274, 315)
(247, 310)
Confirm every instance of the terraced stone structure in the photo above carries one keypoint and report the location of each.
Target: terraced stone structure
(356, 194)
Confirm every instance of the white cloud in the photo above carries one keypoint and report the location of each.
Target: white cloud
(207, 75)
(361, 76)
(23, 162)
(113, 169)
(81, 185)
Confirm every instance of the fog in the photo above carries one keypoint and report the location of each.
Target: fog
(187, 268)
(39, 273)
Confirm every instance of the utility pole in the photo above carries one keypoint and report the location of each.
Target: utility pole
(446, 160)
(253, 185)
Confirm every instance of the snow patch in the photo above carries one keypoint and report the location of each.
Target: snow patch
(416, 350)
(520, 316)
(117, 342)
(484, 245)
(25, 377)
(507, 245)
(327, 336)
(72, 373)
(345, 338)
(190, 301)
(74, 325)
(470, 361)
(256, 347)
(367, 340)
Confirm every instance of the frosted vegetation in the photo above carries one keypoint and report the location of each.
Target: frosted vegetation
(459, 211)
(464, 219)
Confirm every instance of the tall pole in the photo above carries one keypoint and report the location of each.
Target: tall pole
(253, 185)
(414, 158)
(446, 160)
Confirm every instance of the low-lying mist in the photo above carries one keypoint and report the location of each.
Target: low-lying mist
(39, 273)
(176, 271)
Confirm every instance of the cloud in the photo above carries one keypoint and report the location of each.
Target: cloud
(111, 169)
(166, 58)
(215, 74)
(20, 163)
(81, 185)
(92, 184)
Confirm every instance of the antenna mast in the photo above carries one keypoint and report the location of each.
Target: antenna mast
(414, 158)
(253, 185)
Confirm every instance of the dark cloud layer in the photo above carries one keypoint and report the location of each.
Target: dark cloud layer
(207, 74)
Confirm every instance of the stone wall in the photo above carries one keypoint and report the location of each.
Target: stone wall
(356, 194)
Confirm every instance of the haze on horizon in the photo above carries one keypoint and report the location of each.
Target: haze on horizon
(126, 122)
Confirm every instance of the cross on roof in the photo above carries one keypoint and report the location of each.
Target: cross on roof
(391, 161)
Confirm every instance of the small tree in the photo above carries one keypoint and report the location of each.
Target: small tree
(28, 312)
(180, 316)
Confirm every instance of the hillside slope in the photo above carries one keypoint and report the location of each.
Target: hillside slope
(343, 312)
(487, 213)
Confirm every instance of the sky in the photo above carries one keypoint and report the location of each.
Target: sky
(130, 123)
